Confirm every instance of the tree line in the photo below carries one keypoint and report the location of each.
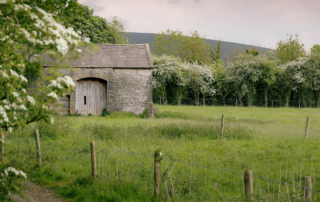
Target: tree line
(187, 67)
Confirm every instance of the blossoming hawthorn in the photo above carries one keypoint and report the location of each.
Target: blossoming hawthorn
(26, 34)
(173, 73)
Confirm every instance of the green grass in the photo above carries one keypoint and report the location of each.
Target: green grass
(268, 141)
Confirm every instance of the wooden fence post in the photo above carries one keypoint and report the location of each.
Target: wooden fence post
(38, 146)
(93, 160)
(307, 193)
(2, 144)
(156, 173)
(307, 127)
(248, 185)
(222, 125)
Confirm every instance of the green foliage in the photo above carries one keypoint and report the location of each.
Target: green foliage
(96, 28)
(28, 32)
(315, 48)
(253, 52)
(53, 131)
(75, 114)
(105, 113)
(10, 181)
(144, 114)
(189, 48)
(290, 49)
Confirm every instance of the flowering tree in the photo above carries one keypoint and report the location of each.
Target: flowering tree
(174, 75)
(170, 74)
(26, 34)
(246, 72)
(293, 75)
(201, 80)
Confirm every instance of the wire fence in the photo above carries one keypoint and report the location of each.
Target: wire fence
(180, 179)
(237, 103)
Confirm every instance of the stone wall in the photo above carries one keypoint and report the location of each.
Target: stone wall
(130, 90)
(127, 89)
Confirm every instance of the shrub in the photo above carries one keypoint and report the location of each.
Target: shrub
(60, 127)
(144, 114)
(10, 181)
(105, 113)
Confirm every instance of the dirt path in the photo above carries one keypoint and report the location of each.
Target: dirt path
(36, 193)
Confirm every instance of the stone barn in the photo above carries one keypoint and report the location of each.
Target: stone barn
(115, 78)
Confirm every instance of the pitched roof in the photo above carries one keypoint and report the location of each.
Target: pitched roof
(114, 56)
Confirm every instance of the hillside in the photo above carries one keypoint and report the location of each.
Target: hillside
(226, 52)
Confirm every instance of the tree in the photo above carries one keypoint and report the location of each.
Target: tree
(290, 49)
(26, 34)
(315, 48)
(293, 76)
(201, 79)
(170, 74)
(247, 72)
(96, 28)
(190, 48)
(176, 77)
(253, 52)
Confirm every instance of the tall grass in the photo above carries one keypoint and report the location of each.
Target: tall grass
(198, 164)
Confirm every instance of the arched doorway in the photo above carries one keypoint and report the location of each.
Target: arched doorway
(91, 96)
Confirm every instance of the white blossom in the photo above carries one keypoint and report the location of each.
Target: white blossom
(3, 115)
(53, 95)
(31, 100)
(15, 171)
(23, 78)
(22, 107)
(24, 90)
(4, 74)
(15, 94)
(3, 1)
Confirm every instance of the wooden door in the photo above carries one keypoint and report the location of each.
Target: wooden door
(65, 106)
(91, 96)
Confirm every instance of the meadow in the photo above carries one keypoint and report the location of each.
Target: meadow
(197, 164)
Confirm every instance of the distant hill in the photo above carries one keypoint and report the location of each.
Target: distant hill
(226, 47)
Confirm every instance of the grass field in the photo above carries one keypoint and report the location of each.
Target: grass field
(198, 164)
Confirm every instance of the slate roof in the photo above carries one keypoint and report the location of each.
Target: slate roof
(114, 56)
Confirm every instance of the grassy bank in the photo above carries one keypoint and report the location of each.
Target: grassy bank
(197, 163)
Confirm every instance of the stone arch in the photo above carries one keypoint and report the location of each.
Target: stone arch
(91, 75)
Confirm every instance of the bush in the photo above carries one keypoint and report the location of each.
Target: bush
(60, 127)
(105, 113)
(144, 114)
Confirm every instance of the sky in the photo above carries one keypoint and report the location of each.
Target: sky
(253, 22)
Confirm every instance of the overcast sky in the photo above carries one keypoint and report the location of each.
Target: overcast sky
(257, 22)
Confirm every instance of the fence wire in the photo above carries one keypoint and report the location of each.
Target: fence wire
(179, 178)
